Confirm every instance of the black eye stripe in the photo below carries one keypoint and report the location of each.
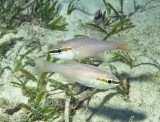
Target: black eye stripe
(55, 51)
(59, 50)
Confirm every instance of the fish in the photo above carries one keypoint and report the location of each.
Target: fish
(80, 48)
(83, 74)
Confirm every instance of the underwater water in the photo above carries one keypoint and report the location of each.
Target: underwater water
(113, 71)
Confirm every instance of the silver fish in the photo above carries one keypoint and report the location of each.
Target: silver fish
(80, 48)
(84, 74)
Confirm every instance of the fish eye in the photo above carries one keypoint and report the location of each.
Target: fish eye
(57, 50)
(109, 81)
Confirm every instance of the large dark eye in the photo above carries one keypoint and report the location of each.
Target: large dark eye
(56, 50)
(109, 81)
(59, 50)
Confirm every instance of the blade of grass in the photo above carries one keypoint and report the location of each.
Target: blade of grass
(47, 110)
(121, 3)
(107, 7)
(70, 7)
(116, 13)
(122, 57)
(120, 24)
(98, 27)
(25, 106)
(17, 84)
(27, 74)
(39, 99)
(55, 22)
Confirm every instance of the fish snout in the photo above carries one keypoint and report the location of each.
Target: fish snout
(64, 54)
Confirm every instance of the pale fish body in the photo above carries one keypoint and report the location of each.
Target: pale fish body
(80, 48)
(84, 74)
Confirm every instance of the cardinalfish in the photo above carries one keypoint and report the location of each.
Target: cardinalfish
(84, 74)
(80, 48)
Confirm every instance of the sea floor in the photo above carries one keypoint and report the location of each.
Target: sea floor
(142, 104)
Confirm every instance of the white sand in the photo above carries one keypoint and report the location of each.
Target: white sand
(143, 103)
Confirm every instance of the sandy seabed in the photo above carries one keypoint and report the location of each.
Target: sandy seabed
(143, 103)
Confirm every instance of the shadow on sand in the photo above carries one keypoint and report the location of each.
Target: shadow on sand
(119, 114)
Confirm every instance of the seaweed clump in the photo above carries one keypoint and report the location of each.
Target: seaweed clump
(42, 12)
(40, 106)
(111, 24)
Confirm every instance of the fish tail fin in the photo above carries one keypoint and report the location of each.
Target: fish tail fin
(122, 46)
(41, 66)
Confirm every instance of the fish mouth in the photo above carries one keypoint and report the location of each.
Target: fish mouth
(116, 82)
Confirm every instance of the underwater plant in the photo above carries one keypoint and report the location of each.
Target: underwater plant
(111, 24)
(45, 13)
(7, 44)
(8, 14)
(45, 10)
(123, 57)
(4, 31)
(38, 106)
(123, 88)
(70, 7)
(79, 35)
(55, 24)
(41, 109)
(26, 90)
(60, 86)
(146, 5)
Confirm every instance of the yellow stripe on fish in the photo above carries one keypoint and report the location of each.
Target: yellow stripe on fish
(109, 81)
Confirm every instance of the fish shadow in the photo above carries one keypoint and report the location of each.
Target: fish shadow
(139, 78)
(119, 114)
(143, 77)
